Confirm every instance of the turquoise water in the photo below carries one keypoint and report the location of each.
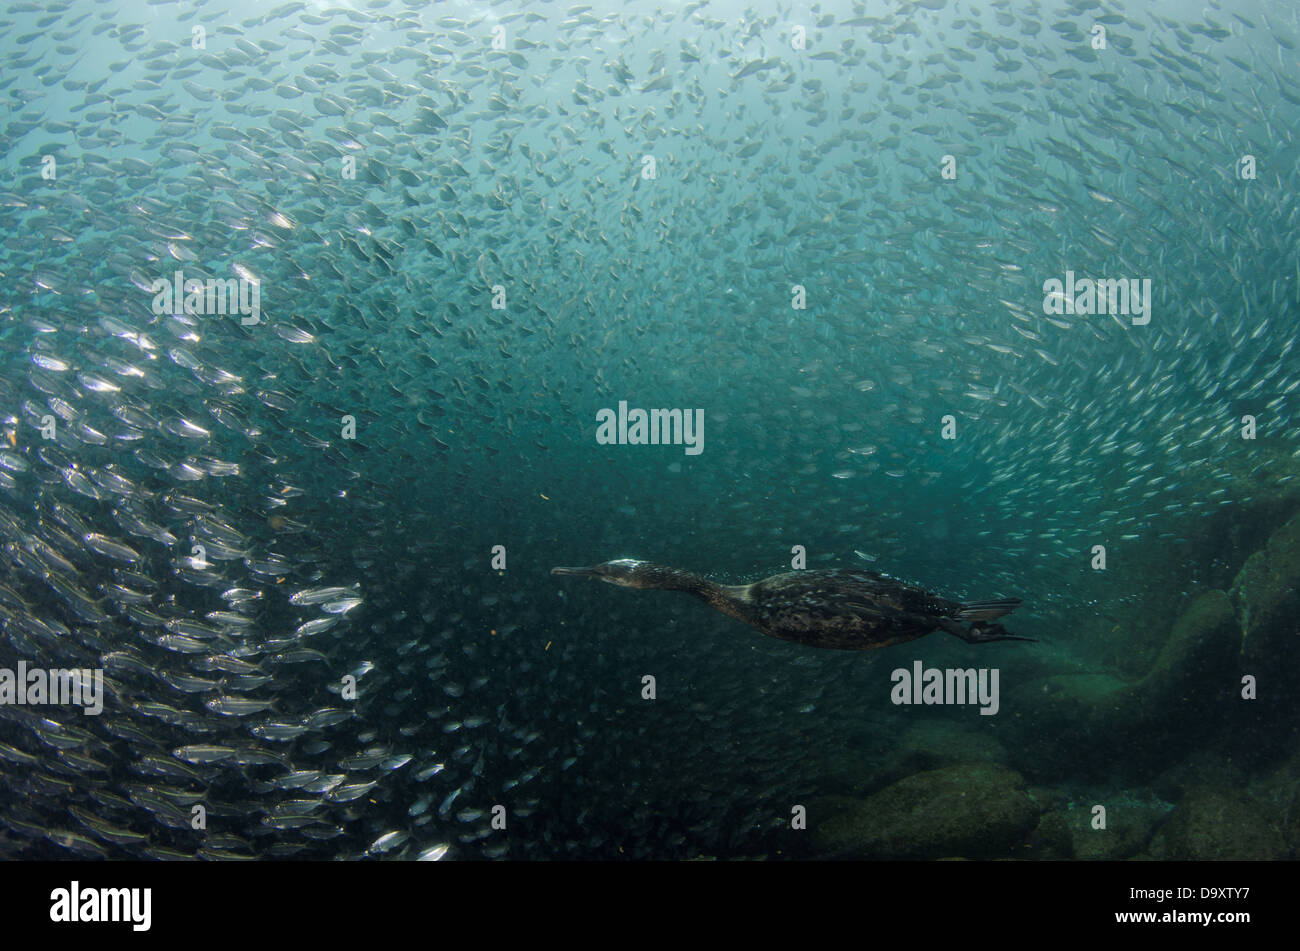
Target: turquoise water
(828, 232)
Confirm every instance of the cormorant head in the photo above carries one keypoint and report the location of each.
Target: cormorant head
(625, 572)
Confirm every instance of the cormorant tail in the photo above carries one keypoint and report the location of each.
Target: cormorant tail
(987, 610)
(982, 633)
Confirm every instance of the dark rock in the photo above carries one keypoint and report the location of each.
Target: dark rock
(934, 744)
(1129, 828)
(977, 810)
(1219, 824)
(1266, 593)
(1051, 839)
(1278, 790)
(1080, 721)
(1202, 767)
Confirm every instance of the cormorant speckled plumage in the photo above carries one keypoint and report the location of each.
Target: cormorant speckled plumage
(843, 609)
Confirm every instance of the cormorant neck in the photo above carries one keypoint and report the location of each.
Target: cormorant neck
(727, 598)
(664, 578)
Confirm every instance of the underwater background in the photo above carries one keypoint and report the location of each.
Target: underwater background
(468, 229)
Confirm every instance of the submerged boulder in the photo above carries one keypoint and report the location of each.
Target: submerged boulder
(1266, 593)
(1098, 724)
(1219, 824)
(973, 810)
(1129, 827)
(935, 743)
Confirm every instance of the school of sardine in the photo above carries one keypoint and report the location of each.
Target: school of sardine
(469, 228)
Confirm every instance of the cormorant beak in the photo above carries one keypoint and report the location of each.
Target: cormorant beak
(576, 572)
